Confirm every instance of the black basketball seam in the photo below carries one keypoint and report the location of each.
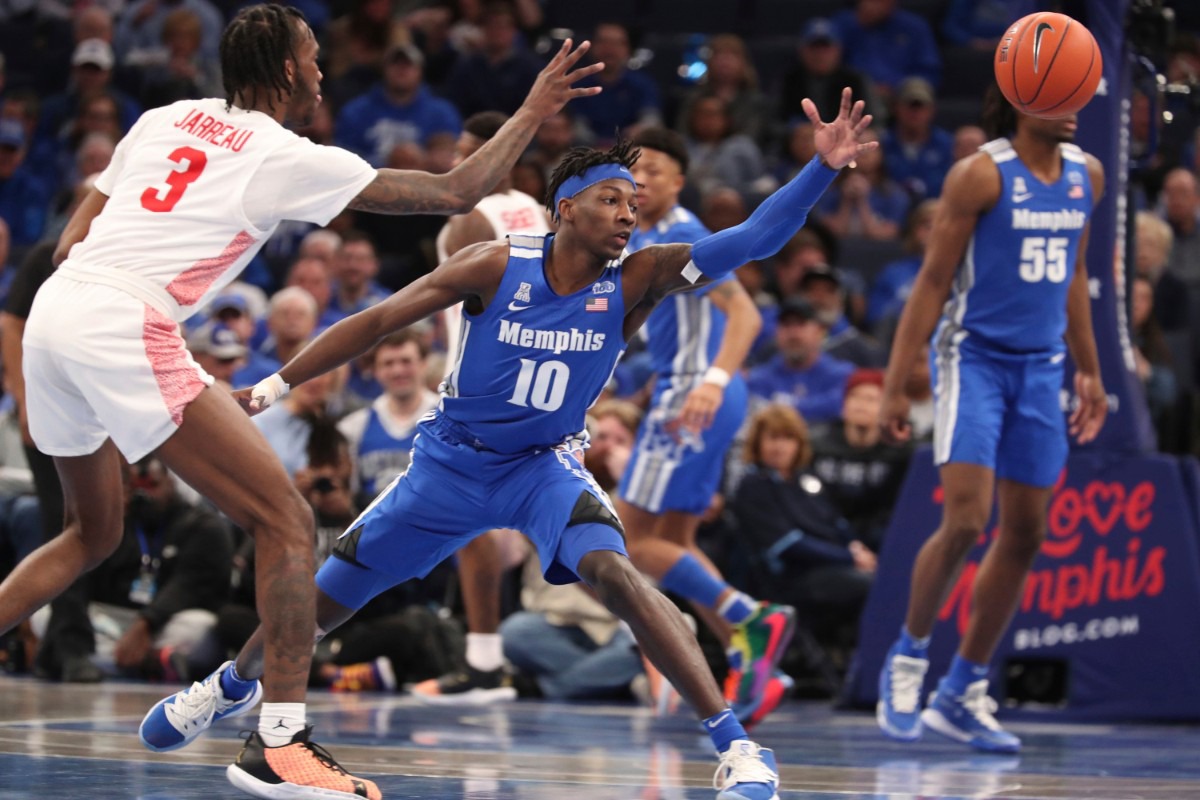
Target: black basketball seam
(1049, 67)
(1016, 49)
(1095, 48)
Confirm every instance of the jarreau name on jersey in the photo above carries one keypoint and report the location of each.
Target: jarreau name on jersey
(205, 127)
(515, 333)
(1064, 220)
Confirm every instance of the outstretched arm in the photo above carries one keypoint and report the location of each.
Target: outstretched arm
(415, 192)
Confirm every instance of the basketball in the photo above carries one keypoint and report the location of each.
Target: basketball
(1048, 65)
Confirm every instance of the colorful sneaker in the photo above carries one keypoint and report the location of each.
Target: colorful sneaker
(969, 719)
(747, 772)
(898, 711)
(295, 771)
(467, 687)
(369, 676)
(756, 647)
(177, 720)
(777, 690)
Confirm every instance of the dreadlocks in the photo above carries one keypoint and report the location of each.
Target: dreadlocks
(999, 118)
(579, 160)
(254, 48)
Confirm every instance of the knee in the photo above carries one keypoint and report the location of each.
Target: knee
(961, 533)
(613, 578)
(1024, 541)
(98, 541)
(288, 520)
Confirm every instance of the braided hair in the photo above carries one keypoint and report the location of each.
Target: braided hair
(999, 118)
(254, 48)
(579, 160)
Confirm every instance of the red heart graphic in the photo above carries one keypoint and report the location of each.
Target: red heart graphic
(1097, 493)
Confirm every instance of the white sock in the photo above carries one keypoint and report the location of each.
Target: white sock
(485, 651)
(279, 722)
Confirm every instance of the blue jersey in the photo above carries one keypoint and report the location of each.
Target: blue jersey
(529, 367)
(1010, 293)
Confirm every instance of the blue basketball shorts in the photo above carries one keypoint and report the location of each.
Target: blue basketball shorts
(999, 410)
(450, 494)
(676, 470)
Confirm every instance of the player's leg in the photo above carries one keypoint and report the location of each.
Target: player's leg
(481, 568)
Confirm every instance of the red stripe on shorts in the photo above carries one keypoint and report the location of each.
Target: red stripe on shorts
(179, 380)
(190, 286)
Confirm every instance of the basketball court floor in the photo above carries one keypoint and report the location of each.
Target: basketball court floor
(70, 741)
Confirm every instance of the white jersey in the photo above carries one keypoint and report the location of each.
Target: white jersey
(510, 212)
(194, 190)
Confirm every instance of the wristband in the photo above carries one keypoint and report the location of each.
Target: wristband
(717, 377)
(268, 390)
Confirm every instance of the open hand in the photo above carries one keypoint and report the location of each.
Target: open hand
(1088, 417)
(553, 87)
(837, 142)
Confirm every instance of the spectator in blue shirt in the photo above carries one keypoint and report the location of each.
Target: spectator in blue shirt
(630, 98)
(917, 153)
(888, 44)
(979, 24)
(891, 287)
(498, 77)
(24, 198)
(401, 109)
(801, 375)
(354, 288)
(865, 202)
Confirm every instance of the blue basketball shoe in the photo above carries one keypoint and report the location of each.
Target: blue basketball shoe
(969, 719)
(176, 720)
(747, 772)
(898, 711)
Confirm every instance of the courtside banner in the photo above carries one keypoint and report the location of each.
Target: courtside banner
(1111, 604)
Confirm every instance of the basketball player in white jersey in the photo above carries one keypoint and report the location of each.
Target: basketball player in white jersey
(482, 563)
(192, 193)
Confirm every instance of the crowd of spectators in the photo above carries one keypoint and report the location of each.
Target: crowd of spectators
(809, 492)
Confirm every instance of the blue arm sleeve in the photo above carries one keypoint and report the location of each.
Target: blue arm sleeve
(770, 226)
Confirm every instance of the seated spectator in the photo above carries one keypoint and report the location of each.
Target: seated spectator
(154, 600)
(96, 114)
(177, 70)
(731, 76)
(717, 155)
(400, 109)
(801, 375)
(967, 139)
(291, 321)
(314, 276)
(888, 44)
(979, 24)
(821, 287)
(723, 208)
(1180, 202)
(24, 198)
(1152, 245)
(91, 74)
(893, 284)
(918, 153)
(231, 311)
(1151, 355)
(864, 202)
(354, 286)
(820, 75)
(799, 149)
(218, 351)
(630, 98)
(804, 552)
(380, 437)
(862, 473)
(498, 77)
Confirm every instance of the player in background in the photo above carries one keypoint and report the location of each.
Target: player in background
(546, 319)
(1008, 248)
(483, 562)
(697, 342)
(192, 193)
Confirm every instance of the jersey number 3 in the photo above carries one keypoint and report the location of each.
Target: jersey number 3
(179, 180)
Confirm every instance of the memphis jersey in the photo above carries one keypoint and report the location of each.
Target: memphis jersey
(1010, 292)
(381, 444)
(532, 363)
(195, 190)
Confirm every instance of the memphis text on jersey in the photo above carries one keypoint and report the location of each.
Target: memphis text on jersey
(515, 333)
(1067, 219)
(204, 126)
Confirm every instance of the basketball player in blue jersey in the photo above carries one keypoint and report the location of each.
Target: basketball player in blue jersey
(546, 319)
(1007, 249)
(697, 341)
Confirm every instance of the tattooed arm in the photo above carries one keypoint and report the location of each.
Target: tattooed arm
(415, 192)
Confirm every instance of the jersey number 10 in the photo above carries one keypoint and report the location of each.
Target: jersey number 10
(542, 386)
(1044, 258)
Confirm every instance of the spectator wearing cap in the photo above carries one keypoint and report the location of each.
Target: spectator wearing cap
(498, 77)
(400, 109)
(24, 197)
(888, 44)
(917, 152)
(630, 98)
(865, 202)
(822, 287)
(891, 287)
(861, 472)
(820, 75)
(801, 375)
(140, 27)
(218, 351)
(233, 312)
(91, 74)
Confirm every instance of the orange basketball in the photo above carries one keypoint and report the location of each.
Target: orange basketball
(1048, 65)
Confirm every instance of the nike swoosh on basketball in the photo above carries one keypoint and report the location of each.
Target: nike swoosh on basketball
(718, 720)
(515, 307)
(1037, 41)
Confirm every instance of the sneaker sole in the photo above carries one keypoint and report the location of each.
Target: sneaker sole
(255, 696)
(281, 791)
(937, 722)
(474, 697)
(892, 732)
